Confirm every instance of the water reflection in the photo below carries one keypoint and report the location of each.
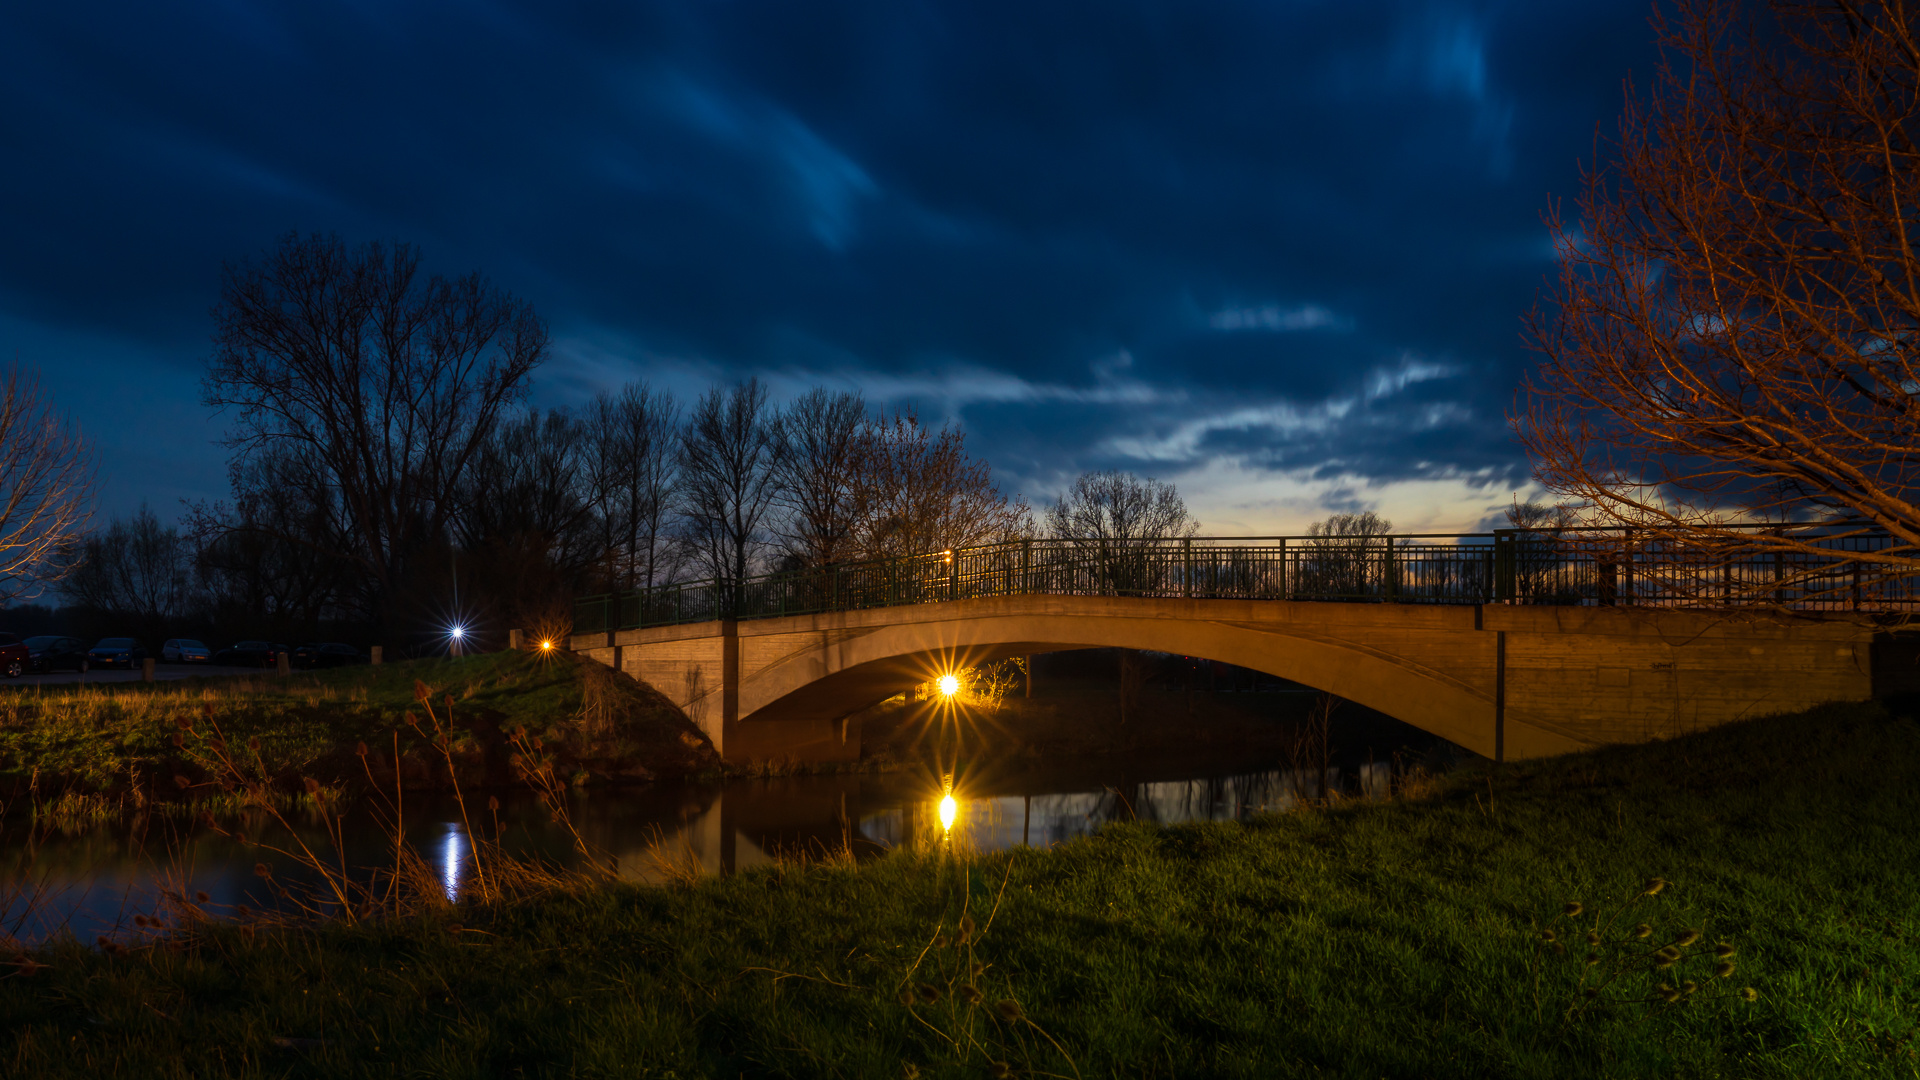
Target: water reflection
(93, 879)
(456, 860)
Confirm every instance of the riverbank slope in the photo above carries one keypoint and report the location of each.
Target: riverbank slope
(111, 746)
(1364, 940)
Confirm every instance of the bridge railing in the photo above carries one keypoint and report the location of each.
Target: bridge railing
(1513, 566)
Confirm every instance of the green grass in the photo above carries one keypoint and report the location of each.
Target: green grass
(108, 747)
(1365, 941)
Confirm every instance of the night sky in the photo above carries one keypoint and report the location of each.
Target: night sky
(1274, 252)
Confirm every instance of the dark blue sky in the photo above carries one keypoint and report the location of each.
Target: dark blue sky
(1274, 252)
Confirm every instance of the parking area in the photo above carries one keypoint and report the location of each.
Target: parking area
(160, 671)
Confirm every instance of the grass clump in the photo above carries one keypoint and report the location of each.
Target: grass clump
(1361, 940)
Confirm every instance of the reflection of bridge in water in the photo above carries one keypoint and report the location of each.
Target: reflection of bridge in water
(747, 823)
(1510, 644)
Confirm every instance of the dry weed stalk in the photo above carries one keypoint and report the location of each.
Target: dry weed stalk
(254, 781)
(534, 765)
(678, 866)
(1311, 753)
(441, 739)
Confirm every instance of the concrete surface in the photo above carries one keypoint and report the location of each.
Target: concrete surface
(1503, 681)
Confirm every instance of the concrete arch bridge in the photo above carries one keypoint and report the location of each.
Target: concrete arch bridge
(1513, 644)
(1506, 681)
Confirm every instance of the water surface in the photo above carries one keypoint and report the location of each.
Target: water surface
(90, 880)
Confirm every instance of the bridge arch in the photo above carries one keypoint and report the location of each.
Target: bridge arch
(814, 685)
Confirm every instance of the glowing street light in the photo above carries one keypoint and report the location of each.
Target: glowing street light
(546, 645)
(949, 685)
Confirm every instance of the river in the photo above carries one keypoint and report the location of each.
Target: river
(94, 880)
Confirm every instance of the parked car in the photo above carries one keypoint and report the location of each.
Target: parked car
(14, 656)
(249, 654)
(117, 652)
(326, 655)
(50, 651)
(184, 651)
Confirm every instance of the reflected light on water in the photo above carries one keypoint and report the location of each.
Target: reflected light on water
(453, 862)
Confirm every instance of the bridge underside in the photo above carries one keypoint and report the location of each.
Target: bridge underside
(1510, 681)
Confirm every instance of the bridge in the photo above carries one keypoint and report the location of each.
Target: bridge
(1512, 644)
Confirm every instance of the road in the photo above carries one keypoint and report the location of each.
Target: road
(160, 672)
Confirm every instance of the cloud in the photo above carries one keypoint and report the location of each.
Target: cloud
(1283, 422)
(1275, 318)
(827, 185)
(1000, 212)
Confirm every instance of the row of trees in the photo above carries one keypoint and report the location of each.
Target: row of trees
(383, 463)
(631, 493)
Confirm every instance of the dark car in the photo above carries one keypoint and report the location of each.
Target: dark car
(184, 651)
(49, 653)
(329, 654)
(248, 654)
(14, 656)
(117, 652)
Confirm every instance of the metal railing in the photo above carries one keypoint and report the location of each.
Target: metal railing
(1511, 566)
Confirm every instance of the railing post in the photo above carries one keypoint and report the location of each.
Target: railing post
(1503, 568)
(1626, 565)
(1392, 582)
(1026, 566)
(953, 574)
(1186, 567)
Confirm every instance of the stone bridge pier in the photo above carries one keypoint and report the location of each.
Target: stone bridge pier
(1503, 681)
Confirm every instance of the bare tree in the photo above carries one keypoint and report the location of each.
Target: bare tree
(1114, 505)
(918, 492)
(1339, 554)
(726, 481)
(1540, 561)
(1114, 517)
(137, 570)
(1732, 338)
(256, 564)
(379, 381)
(527, 530)
(632, 470)
(46, 489)
(816, 464)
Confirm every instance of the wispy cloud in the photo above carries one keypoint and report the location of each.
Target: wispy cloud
(828, 185)
(1273, 317)
(1286, 421)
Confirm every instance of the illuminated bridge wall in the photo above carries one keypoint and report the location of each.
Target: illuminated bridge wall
(1509, 681)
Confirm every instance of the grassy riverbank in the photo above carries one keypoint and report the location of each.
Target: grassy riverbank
(109, 747)
(1385, 940)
